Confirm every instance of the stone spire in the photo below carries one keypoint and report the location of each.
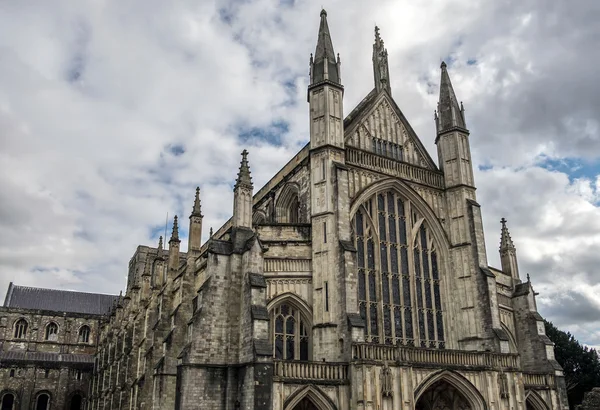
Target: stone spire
(242, 195)
(450, 114)
(195, 230)
(244, 179)
(196, 210)
(381, 70)
(508, 253)
(175, 232)
(324, 65)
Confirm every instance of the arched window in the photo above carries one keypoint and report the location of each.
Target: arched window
(21, 329)
(84, 334)
(398, 274)
(289, 331)
(288, 204)
(52, 331)
(76, 402)
(8, 401)
(42, 402)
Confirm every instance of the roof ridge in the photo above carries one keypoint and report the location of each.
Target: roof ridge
(62, 290)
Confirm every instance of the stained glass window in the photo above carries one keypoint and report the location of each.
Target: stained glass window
(289, 332)
(398, 274)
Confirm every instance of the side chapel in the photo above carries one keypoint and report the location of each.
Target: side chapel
(356, 278)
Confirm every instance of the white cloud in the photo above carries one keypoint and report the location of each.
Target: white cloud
(96, 98)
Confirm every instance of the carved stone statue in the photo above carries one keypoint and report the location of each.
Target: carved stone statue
(386, 381)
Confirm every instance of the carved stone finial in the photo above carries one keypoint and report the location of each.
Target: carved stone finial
(528, 278)
(211, 232)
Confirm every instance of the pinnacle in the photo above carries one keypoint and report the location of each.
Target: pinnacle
(324, 45)
(506, 242)
(175, 233)
(244, 179)
(160, 243)
(323, 13)
(197, 211)
(443, 65)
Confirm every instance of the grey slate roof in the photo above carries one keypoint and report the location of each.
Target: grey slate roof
(45, 357)
(25, 297)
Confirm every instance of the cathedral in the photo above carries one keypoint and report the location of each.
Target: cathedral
(356, 278)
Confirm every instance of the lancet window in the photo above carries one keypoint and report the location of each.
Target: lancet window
(398, 274)
(290, 333)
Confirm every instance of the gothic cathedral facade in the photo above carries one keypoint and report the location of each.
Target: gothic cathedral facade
(356, 278)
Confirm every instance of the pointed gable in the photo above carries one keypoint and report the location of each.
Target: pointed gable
(377, 121)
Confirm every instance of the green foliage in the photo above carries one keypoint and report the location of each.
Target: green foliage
(580, 363)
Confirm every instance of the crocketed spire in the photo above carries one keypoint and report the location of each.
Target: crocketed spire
(244, 179)
(450, 113)
(197, 211)
(506, 242)
(175, 233)
(381, 70)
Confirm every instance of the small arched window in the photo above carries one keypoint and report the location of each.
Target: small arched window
(84, 334)
(21, 329)
(42, 402)
(52, 331)
(290, 333)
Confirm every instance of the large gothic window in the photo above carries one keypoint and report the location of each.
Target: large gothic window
(290, 333)
(398, 274)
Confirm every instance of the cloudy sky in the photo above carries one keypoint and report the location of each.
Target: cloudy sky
(111, 113)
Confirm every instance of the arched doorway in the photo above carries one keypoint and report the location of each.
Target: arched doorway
(76, 402)
(306, 404)
(42, 402)
(533, 401)
(8, 401)
(441, 395)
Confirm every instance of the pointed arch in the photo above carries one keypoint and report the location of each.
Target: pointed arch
(535, 400)
(287, 209)
(290, 327)
(259, 217)
(415, 199)
(511, 339)
(459, 382)
(404, 266)
(314, 394)
(292, 299)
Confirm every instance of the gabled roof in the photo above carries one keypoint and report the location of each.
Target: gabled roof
(369, 103)
(25, 297)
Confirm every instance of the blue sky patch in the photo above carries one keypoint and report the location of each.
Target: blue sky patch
(472, 61)
(574, 167)
(176, 149)
(271, 134)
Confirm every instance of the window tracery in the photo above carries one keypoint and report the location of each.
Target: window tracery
(398, 274)
(21, 329)
(289, 333)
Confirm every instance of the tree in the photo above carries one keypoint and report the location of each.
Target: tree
(581, 364)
